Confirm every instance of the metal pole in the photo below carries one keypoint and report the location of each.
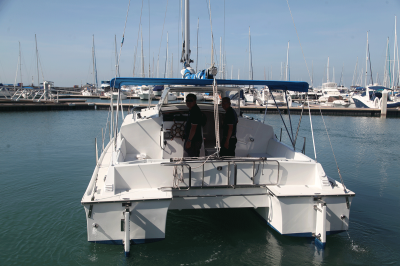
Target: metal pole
(127, 238)
(97, 154)
(187, 34)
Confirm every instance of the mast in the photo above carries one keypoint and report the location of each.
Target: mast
(312, 74)
(265, 75)
(341, 76)
(149, 42)
(220, 57)
(37, 63)
(398, 61)
(197, 46)
(327, 71)
(385, 72)
(287, 63)
(355, 74)
(366, 71)
(94, 67)
(142, 55)
(166, 61)
(224, 54)
(250, 72)
(366, 64)
(116, 57)
(20, 68)
(187, 35)
(394, 53)
(212, 37)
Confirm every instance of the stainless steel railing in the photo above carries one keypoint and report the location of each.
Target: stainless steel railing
(182, 162)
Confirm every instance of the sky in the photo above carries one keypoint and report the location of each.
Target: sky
(64, 29)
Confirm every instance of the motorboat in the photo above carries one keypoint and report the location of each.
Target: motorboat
(114, 95)
(275, 97)
(250, 94)
(171, 96)
(105, 85)
(372, 98)
(157, 90)
(329, 89)
(341, 102)
(146, 92)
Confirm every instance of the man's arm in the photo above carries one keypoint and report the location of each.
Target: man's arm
(191, 135)
(228, 136)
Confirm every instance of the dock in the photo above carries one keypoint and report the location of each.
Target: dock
(80, 104)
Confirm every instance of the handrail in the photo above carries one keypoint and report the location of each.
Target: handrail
(235, 175)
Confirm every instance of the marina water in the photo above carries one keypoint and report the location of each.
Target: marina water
(47, 159)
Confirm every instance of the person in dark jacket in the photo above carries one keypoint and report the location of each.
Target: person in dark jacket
(228, 144)
(193, 137)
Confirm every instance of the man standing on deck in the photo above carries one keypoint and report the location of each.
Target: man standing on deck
(228, 144)
(193, 138)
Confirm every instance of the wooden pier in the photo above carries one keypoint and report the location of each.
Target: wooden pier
(80, 104)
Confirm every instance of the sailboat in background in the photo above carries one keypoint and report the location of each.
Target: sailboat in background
(92, 89)
(372, 97)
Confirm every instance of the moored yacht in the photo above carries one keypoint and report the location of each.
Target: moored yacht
(142, 172)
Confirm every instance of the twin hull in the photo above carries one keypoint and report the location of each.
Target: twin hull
(294, 216)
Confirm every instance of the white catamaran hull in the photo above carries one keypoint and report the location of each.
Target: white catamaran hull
(137, 178)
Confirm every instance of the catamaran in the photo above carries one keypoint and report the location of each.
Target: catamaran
(142, 174)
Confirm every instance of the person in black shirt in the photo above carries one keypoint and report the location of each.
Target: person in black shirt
(193, 137)
(228, 144)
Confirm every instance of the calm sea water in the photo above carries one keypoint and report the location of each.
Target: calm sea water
(47, 159)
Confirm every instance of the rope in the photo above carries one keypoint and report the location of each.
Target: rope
(337, 166)
(216, 116)
(312, 131)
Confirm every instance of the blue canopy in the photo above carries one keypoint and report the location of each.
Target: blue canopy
(272, 85)
(158, 88)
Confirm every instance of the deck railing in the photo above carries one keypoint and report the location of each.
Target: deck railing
(188, 164)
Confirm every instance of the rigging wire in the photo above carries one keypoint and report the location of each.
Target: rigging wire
(341, 179)
(123, 37)
(212, 34)
(301, 47)
(137, 40)
(162, 33)
(149, 42)
(216, 116)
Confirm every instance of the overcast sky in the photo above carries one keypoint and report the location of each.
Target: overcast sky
(64, 29)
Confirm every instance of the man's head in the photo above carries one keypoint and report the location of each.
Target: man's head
(191, 100)
(226, 103)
